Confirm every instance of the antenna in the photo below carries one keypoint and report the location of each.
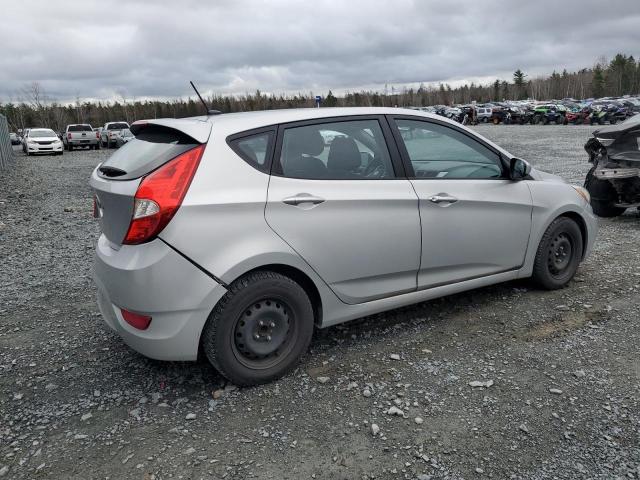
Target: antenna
(209, 112)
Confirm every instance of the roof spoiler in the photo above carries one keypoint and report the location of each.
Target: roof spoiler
(199, 130)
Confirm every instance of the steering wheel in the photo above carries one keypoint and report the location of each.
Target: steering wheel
(375, 169)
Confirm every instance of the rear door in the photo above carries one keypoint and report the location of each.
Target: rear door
(475, 222)
(338, 196)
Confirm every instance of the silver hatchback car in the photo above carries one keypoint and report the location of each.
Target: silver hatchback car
(236, 235)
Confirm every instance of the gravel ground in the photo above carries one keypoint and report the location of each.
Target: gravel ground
(501, 382)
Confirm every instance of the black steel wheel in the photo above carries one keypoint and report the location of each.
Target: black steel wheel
(259, 330)
(263, 332)
(558, 255)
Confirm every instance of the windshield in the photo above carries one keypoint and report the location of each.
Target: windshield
(41, 133)
(117, 126)
(79, 128)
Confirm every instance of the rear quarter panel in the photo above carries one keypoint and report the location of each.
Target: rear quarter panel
(220, 224)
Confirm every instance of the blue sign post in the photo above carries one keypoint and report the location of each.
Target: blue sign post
(318, 101)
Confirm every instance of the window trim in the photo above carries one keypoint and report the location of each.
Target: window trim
(407, 160)
(268, 159)
(392, 147)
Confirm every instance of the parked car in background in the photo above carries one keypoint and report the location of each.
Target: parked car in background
(614, 179)
(42, 141)
(124, 137)
(483, 114)
(80, 135)
(190, 263)
(548, 113)
(14, 139)
(110, 131)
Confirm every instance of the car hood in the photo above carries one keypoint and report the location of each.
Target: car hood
(43, 139)
(545, 176)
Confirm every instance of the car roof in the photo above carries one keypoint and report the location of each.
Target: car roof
(227, 124)
(256, 119)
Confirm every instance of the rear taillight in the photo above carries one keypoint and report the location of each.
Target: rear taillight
(141, 322)
(68, 135)
(97, 135)
(159, 196)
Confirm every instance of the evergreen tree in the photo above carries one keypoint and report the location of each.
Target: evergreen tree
(330, 100)
(597, 83)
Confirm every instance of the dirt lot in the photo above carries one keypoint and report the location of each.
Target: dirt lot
(561, 370)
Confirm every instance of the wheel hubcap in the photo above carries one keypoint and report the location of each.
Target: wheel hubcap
(262, 332)
(560, 254)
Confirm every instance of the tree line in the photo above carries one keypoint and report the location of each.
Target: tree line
(617, 77)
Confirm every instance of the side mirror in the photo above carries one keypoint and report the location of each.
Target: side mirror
(519, 169)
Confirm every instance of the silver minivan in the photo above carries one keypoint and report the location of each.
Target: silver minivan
(236, 235)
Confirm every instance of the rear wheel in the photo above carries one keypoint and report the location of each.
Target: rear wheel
(603, 196)
(259, 329)
(558, 254)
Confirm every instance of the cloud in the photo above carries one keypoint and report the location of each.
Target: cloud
(96, 49)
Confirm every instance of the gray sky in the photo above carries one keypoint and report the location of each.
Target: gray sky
(142, 49)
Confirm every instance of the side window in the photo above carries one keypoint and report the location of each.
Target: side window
(436, 151)
(254, 149)
(349, 150)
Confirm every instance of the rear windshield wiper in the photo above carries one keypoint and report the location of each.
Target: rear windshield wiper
(108, 171)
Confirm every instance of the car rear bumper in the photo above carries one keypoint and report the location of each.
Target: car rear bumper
(153, 279)
(85, 141)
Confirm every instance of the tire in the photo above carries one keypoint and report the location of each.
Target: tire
(613, 121)
(603, 196)
(70, 147)
(559, 254)
(258, 297)
(485, 119)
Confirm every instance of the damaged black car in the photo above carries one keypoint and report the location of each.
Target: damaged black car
(614, 179)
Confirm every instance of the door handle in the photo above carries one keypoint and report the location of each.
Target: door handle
(442, 198)
(302, 198)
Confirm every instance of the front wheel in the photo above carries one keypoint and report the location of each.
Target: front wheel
(559, 254)
(259, 329)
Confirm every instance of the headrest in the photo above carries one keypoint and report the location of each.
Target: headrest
(344, 154)
(305, 140)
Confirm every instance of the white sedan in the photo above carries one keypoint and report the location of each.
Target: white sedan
(42, 140)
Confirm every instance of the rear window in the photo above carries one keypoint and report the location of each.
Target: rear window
(152, 147)
(117, 126)
(79, 128)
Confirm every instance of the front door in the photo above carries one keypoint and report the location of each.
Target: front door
(475, 221)
(335, 198)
